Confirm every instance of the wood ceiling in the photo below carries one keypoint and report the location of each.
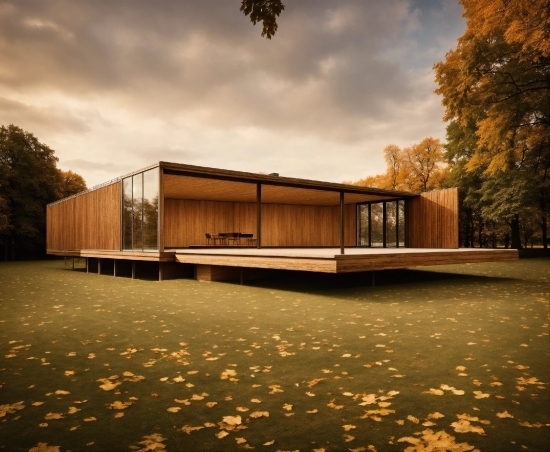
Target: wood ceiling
(202, 188)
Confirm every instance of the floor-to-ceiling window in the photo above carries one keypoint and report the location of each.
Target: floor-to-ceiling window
(381, 224)
(140, 201)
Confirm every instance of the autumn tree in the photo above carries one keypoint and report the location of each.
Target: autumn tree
(264, 11)
(419, 167)
(70, 183)
(29, 179)
(498, 79)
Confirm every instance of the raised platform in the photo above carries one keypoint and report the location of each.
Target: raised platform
(329, 260)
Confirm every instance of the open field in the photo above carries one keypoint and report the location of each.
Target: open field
(448, 355)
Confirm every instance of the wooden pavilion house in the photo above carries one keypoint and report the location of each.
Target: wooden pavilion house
(212, 224)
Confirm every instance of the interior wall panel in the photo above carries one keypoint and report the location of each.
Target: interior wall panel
(187, 221)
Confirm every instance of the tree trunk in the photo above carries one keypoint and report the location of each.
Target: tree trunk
(514, 230)
(506, 241)
(479, 232)
(544, 232)
(467, 234)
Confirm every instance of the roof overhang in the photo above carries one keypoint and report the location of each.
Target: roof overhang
(211, 184)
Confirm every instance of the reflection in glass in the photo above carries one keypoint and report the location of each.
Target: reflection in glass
(363, 215)
(376, 228)
(150, 209)
(137, 182)
(377, 224)
(127, 213)
(391, 223)
(401, 222)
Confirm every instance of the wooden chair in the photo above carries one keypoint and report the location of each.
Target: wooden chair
(208, 238)
(250, 240)
(222, 237)
(234, 237)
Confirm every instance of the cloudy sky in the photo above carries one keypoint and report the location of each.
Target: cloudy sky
(114, 86)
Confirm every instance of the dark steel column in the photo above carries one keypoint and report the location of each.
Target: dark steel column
(259, 215)
(341, 222)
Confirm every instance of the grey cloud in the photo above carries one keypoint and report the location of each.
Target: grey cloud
(101, 73)
(162, 58)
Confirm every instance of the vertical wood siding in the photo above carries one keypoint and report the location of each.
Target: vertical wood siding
(88, 221)
(186, 222)
(432, 220)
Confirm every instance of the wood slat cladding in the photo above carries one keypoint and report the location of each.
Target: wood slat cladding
(90, 220)
(186, 222)
(202, 189)
(432, 220)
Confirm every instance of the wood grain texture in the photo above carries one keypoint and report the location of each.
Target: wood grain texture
(351, 263)
(432, 220)
(347, 264)
(90, 220)
(187, 221)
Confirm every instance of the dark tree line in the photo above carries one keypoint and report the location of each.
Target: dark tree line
(29, 180)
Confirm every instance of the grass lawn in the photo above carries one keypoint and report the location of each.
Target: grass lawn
(450, 356)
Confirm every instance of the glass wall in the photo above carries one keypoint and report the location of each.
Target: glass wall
(363, 226)
(381, 224)
(140, 201)
(391, 224)
(401, 223)
(150, 209)
(127, 213)
(377, 224)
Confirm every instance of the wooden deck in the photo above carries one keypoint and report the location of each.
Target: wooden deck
(328, 260)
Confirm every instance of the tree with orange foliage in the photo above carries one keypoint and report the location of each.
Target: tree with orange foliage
(498, 78)
(419, 167)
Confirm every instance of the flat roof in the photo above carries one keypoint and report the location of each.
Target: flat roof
(182, 181)
(179, 169)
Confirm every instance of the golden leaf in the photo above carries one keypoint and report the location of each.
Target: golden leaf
(222, 434)
(311, 411)
(480, 395)
(174, 409)
(269, 443)
(257, 414)
(52, 416)
(232, 420)
(118, 405)
(287, 407)
(348, 427)
(90, 419)
(109, 386)
(504, 414)
(188, 429)
(242, 409)
(240, 440)
(432, 391)
(211, 404)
